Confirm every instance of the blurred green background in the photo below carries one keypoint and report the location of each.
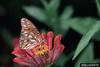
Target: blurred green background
(77, 20)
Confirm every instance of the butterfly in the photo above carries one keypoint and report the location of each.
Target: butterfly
(30, 36)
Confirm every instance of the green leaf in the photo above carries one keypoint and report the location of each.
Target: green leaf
(86, 56)
(51, 10)
(64, 19)
(98, 6)
(54, 5)
(66, 24)
(44, 2)
(69, 23)
(67, 13)
(86, 38)
(35, 12)
(82, 25)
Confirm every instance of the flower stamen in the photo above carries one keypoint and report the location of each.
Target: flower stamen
(40, 50)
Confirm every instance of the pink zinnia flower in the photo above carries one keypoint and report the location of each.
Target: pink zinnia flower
(41, 55)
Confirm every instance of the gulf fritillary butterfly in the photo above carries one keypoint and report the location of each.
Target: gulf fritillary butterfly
(29, 36)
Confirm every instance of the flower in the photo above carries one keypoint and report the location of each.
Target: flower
(35, 49)
(42, 55)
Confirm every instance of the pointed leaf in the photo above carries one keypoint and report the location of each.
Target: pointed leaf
(85, 39)
(67, 13)
(54, 5)
(44, 2)
(65, 24)
(86, 56)
(35, 12)
(98, 6)
(51, 9)
(82, 25)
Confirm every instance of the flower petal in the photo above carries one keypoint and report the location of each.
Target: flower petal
(50, 53)
(19, 52)
(21, 61)
(43, 35)
(57, 40)
(62, 47)
(57, 51)
(49, 39)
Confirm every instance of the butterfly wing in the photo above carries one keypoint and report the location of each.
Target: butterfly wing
(30, 36)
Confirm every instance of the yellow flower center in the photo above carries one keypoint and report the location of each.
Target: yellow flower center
(40, 50)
